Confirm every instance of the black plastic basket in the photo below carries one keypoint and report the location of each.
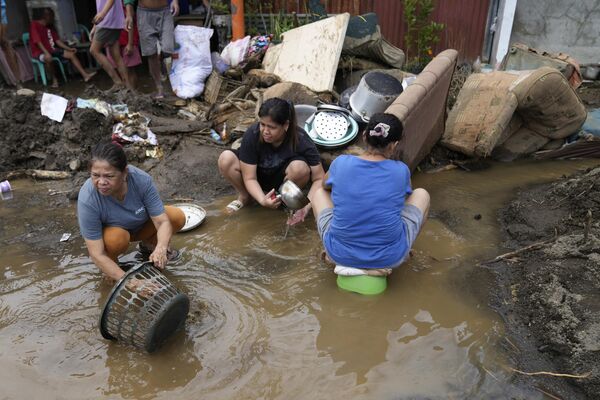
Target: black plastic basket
(144, 314)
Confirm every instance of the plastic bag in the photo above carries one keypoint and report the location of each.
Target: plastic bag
(235, 52)
(192, 65)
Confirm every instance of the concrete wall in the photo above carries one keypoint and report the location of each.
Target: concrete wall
(569, 26)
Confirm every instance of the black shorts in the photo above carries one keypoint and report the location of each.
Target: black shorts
(275, 179)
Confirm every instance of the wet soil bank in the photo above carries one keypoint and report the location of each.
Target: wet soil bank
(549, 295)
(29, 140)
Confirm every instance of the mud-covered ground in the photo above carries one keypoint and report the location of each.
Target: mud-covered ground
(550, 293)
(188, 168)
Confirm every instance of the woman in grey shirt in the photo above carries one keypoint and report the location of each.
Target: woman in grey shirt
(119, 204)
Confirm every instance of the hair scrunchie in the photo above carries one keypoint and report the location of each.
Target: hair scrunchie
(380, 129)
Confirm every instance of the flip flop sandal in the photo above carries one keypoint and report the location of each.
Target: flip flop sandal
(234, 206)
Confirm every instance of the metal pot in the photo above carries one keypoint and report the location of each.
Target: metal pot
(375, 92)
(291, 196)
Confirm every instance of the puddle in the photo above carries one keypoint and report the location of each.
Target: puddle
(267, 319)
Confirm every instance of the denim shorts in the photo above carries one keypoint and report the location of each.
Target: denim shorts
(411, 216)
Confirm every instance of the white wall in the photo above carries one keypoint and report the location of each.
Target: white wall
(568, 26)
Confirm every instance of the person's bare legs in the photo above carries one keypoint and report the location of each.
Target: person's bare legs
(420, 198)
(229, 167)
(132, 76)
(298, 172)
(154, 67)
(320, 200)
(11, 56)
(96, 50)
(115, 52)
(74, 60)
(51, 70)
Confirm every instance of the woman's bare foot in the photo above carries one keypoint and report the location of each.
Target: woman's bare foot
(88, 76)
(237, 204)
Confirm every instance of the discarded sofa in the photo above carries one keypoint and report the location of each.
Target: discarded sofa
(422, 108)
(509, 115)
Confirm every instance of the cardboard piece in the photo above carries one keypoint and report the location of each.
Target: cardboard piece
(310, 53)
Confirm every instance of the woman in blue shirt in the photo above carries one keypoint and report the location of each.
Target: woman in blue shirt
(367, 214)
(119, 204)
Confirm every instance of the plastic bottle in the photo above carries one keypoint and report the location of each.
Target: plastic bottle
(224, 135)
(216, 137)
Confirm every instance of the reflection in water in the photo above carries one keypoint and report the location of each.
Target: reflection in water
(267, 319)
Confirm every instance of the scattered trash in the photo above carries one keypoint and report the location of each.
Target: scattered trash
(215, 136)
(134, 129)
(100, 106)
(65, 237)
(155, 152)
(259, 45)
(53, 106)
(6, 190)
(25, 92)
(235, 52)
(5, 186)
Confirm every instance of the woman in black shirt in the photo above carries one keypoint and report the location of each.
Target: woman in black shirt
(273, 150)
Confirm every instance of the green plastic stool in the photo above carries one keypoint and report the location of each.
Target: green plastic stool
(363, 284)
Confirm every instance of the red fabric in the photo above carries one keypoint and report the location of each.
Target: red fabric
(124, 38)
(38, 33)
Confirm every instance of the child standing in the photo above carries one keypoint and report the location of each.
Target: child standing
(367, 214)
(108, 23)
(129, 45)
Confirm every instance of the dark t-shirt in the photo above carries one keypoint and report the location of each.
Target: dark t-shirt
(271, 161)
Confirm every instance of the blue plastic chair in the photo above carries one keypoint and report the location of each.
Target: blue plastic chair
(85, 38)
(40, 65)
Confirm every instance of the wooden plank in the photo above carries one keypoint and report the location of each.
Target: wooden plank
(310, 54)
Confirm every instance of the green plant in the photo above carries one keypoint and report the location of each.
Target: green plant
(281, 23)
(421, 33)
(220, 7)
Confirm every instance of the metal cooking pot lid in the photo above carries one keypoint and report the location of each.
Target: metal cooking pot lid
(331, 126)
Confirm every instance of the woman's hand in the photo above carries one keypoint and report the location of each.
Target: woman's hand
(129, 49)
(159, 257)
(98, 18)
(299, 216)
(271, 200)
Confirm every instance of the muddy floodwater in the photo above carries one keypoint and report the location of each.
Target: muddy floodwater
(267, 319)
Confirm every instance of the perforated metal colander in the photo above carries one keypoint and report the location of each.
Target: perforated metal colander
(331, 126)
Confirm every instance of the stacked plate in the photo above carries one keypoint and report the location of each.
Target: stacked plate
(331, 126)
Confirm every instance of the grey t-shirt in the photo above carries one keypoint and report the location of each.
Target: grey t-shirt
(96, 211)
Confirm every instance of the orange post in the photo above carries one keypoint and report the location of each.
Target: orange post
(237, 19)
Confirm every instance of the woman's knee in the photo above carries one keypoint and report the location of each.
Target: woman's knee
(227, 161)
(421, 199)
(298, 171)
(176, 217)
(116, 240)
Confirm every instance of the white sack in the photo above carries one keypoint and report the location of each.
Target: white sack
(235, 52)
(192, 65)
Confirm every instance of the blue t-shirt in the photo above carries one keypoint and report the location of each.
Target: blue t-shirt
(141, 202)
(367, 230)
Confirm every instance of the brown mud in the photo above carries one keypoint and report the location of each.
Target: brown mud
(550, 295)
(32, 141)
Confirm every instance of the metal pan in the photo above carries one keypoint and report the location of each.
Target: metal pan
(194, 215)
